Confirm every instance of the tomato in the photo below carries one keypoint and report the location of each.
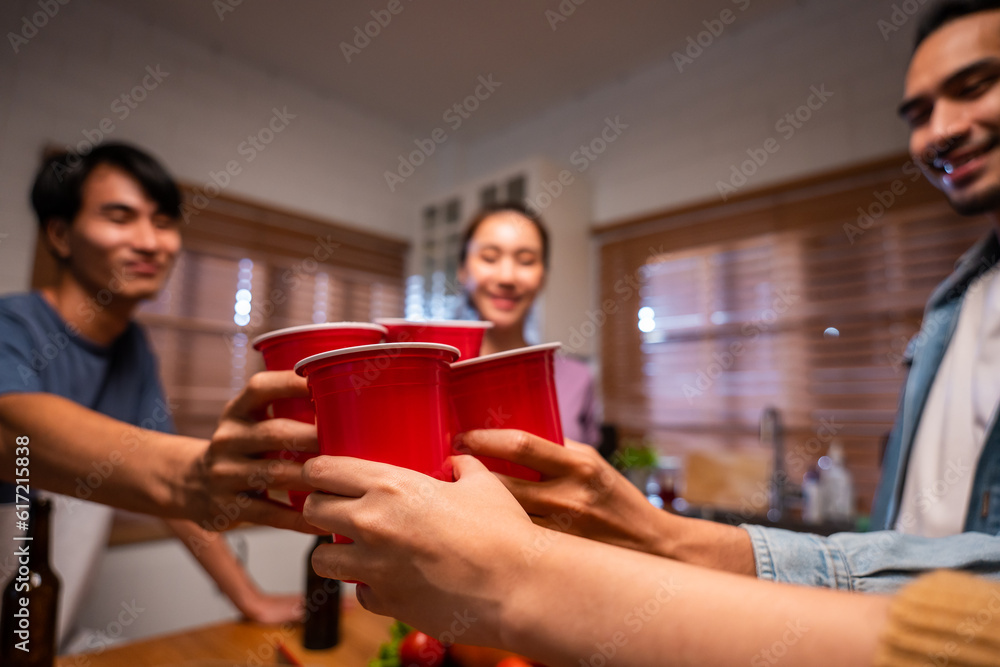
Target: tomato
(514, 661)
(420, 650)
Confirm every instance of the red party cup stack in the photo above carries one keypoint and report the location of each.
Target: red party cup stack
(283, 348)
(466, 335)
(514, 389)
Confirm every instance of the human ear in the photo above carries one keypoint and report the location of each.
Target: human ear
(57, 233)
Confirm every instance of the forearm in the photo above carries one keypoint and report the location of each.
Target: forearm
(579, 599)
(80, 452)
(705, 543)
(213, 553)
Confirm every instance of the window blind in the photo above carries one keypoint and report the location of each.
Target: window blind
(798, 297)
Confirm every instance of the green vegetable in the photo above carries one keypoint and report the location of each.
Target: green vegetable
(388, 652)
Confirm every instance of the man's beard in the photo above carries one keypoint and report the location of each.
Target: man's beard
(978, 204)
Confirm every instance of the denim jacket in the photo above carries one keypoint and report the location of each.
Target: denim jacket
(884, 560)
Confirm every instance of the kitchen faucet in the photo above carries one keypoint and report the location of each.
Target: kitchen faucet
(772, 434)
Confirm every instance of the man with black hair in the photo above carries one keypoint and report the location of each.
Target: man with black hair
(79, 384)
(938, 502)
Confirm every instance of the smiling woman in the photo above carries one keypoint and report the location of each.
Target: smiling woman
(503, 260)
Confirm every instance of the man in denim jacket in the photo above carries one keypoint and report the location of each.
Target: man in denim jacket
(938, 503)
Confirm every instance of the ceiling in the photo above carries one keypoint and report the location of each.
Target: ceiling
(431, 53)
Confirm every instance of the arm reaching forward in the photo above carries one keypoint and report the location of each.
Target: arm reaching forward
(462, 561)
(217, 482)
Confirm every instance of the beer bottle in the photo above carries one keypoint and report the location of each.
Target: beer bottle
(322, 619)
(31, 598)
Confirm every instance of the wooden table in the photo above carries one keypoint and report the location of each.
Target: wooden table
(243, 643)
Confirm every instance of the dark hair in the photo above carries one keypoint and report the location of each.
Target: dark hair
(947, 11)
(504, 207)
(58, 189)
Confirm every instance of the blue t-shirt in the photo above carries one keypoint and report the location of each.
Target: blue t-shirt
(39, 352)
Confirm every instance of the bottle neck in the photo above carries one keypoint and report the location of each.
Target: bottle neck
(38, 531)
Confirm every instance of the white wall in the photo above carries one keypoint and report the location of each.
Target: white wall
(166, 590)
(328, 161)
(687, 129)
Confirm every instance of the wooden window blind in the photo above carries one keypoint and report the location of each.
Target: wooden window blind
(790, 298)
(295, 269)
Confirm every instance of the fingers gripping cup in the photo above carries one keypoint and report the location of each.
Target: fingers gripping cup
(386, 403)
(283, 348)
(466, 335)
(514, 389)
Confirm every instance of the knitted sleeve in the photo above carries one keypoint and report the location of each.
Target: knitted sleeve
(944, 618)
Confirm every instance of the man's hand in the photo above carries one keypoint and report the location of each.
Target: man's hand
(427, 551)
(229, 482)
(582, 494)
(217, 483)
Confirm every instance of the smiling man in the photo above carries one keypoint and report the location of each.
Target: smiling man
(938, 501)
(79, 383)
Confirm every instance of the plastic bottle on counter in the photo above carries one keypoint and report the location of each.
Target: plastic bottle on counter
(836, 486)
(812, 500)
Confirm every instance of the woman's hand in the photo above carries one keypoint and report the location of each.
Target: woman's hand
(441, 556)
(275, 609)
(580, 493)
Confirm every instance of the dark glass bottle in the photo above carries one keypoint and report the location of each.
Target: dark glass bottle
(322, 620)
(31, 598)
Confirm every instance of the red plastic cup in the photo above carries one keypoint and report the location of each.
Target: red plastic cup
(513, 389)
(466, 335)
(283, 348)
(386, 403)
